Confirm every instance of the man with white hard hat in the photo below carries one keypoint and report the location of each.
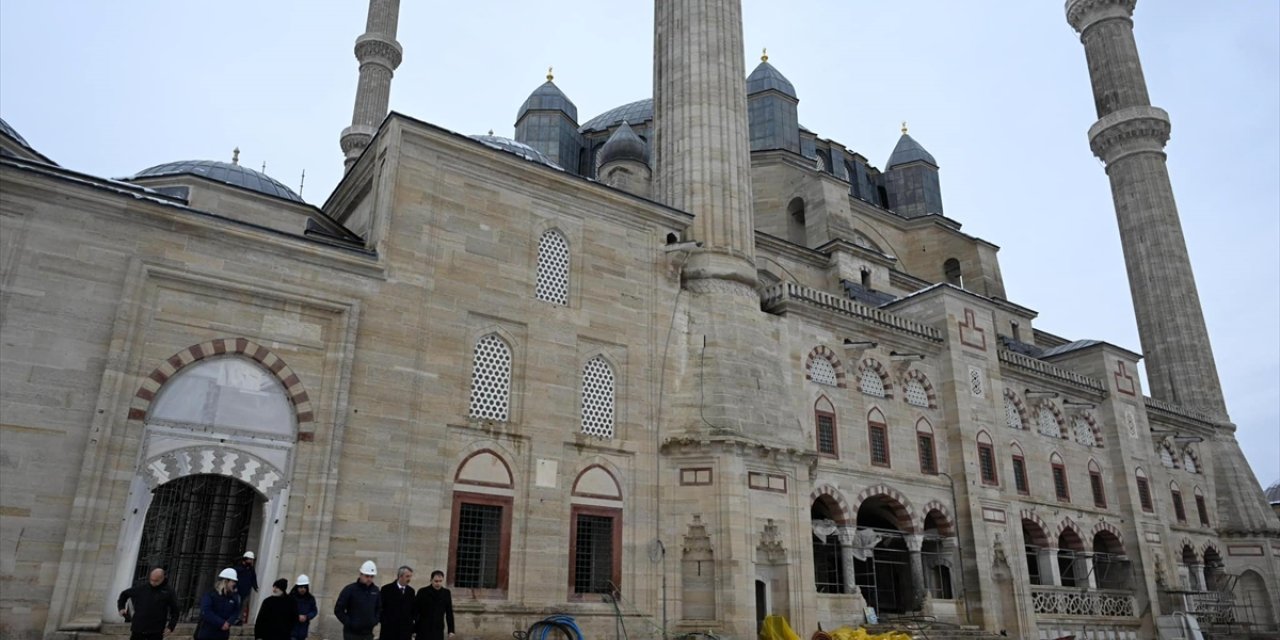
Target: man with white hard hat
(359, 606)
(246, 582)
(307, 609)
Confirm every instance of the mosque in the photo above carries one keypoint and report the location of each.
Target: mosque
(673, 368)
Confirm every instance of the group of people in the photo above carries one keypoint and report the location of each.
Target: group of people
(151, 607)
(401, 611)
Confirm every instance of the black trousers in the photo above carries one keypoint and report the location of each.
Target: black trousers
(146, 635)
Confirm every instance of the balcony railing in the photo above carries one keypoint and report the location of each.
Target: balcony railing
(1212, 607)
(1066, 601)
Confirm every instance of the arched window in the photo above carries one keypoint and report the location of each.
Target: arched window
(828, 562)
(878, 438)
(925, 447)
(1047, 421)
(916, 393)
(227, 392)
(1083, 431)
(491, 379)
(1096, 486)
(987, 460)
(796, 223)
(821, 371)
(870, 382)
(1144, 491)
(595, 534)
(1061, 487)
(1166, 455)
(480, 531)
(1179, 509)
(1013, 411)
(1189, 462)
(553, 267)
(824, 418)
(1020, 481)
(951, 271)
(597, 398)
(1202, 509)
(1036, 542)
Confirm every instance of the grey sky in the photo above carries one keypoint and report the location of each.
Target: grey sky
(998, 92)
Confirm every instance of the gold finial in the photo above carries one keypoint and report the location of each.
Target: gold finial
(491, 132)
(235, 155)
(904, 127)
(550, 76)
(764, 54)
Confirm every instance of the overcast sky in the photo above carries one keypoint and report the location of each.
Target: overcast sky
(998, 92)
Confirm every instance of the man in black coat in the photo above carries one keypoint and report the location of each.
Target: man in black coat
(278, 615)
(359, 606)
(397, 607)
(434, 609)
(154, 603)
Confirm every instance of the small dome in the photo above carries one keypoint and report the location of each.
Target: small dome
(13, 133)
(767, 77)
(548, 97)
(232, 174)
(518, 148)
(639, 112)
(908, 150)
(623, 144)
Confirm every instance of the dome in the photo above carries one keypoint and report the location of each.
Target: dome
(518, 148)
(225, 172)
(908, 150)
(767, 77)
(624, 144)
(548, 97)
(639, 112)
(13, 133)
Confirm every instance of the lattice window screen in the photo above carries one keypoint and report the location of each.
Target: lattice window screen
(870, 383)
(597, 398)
(1012, 417)
(916, 394)
(491, 379)
(821, 371)
(1047, 423)
(1083, 432)
(553, 268)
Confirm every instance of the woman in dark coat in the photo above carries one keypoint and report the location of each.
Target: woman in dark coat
(219, 609)
(278, 615)
(307, 609)
(434, 608)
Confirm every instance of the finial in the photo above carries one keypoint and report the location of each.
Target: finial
(904, 127)
(264, 166)
(764, 54)
(550, 76)
(235, 155)
(491, 132)
(303, 182)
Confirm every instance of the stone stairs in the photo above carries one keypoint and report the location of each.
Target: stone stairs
(120, 631)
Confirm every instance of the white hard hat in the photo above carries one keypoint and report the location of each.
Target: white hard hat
(369, 568)
(229, 574)
(249, 555)
(302, 580)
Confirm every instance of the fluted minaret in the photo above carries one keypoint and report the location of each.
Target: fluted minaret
(702, 158)
(379, 54)
(1129, 137)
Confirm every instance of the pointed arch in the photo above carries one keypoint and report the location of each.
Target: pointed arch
(897, 502)
(1029, 516)
(826, 427)
(1049, 420)
(141, 403)
(874, 380)
(823, 366)
(837, 498)
(946, 525)
(1086, 430)
(486, 468)
(597, 481)
(1108, 527)
(553, 267)
(1015, 413)
(1191, 460)
(918, 391)
(1165, 451)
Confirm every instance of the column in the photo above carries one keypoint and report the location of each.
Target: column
(1049, 561)
(845, 534)
(918, 591)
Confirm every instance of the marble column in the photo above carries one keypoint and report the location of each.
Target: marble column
(918, 590)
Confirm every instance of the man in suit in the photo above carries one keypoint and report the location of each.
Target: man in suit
(397, 607)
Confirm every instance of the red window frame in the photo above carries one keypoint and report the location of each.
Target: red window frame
(1020, 475)
(872, 429)
(1144, 495)
(1099, 491)
(1179, 509)
(1061, 485)
(929, 460)
(818, 416)
(616, 570)
(987, 464)
(504, 553)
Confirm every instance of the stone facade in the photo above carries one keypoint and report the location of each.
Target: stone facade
(474, 361)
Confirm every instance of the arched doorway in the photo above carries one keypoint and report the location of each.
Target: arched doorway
(1110, 564)
(937, 550)
(1071, 568)
(1214, 578)
(1251, 593)
(882, 566)
(1036, 545)
(195, 526)
(828, 561)
(1189, 573)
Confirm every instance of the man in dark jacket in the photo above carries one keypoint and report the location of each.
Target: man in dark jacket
(154, 603)
(359, 606)
(247, 583)
(278, 614)
(434, 609)
(397, 607)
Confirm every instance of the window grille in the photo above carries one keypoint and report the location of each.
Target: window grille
(870, 383)
(916, 393)
(1178, 509)
(593, 554)
(821, 371)
(1047, 423)
(478, 548)
(1189, 462)
(1144, 495)
(597, 398)
(1084, 432)
(553, 268)
(1020, 475)
(976, 385)
(987, 464)
(1060, 488)
(1166, 456)
(826, 433)
(1202, 510)
(828, 566)
(879, 439)
(928, 463)
(1099, 494)
(491, 379)
(1012, 417)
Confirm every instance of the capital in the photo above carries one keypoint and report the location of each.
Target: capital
(377, 48)
(1139, 129)
(1082, 14)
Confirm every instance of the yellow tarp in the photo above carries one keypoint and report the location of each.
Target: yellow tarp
(776, 628)
(849, 633)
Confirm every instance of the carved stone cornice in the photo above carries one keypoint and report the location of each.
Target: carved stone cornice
(377, 48)
(1082, 14)
(1140, 129)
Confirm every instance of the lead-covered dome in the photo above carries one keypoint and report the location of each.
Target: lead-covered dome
(225, 172)
(639, 112)
(548, 97)
(908, 150)
(766, 77)
(623, 144)
(518, 148)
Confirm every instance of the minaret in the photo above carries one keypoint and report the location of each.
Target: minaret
(701, 155)
(379, 54)
(1129, 137)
